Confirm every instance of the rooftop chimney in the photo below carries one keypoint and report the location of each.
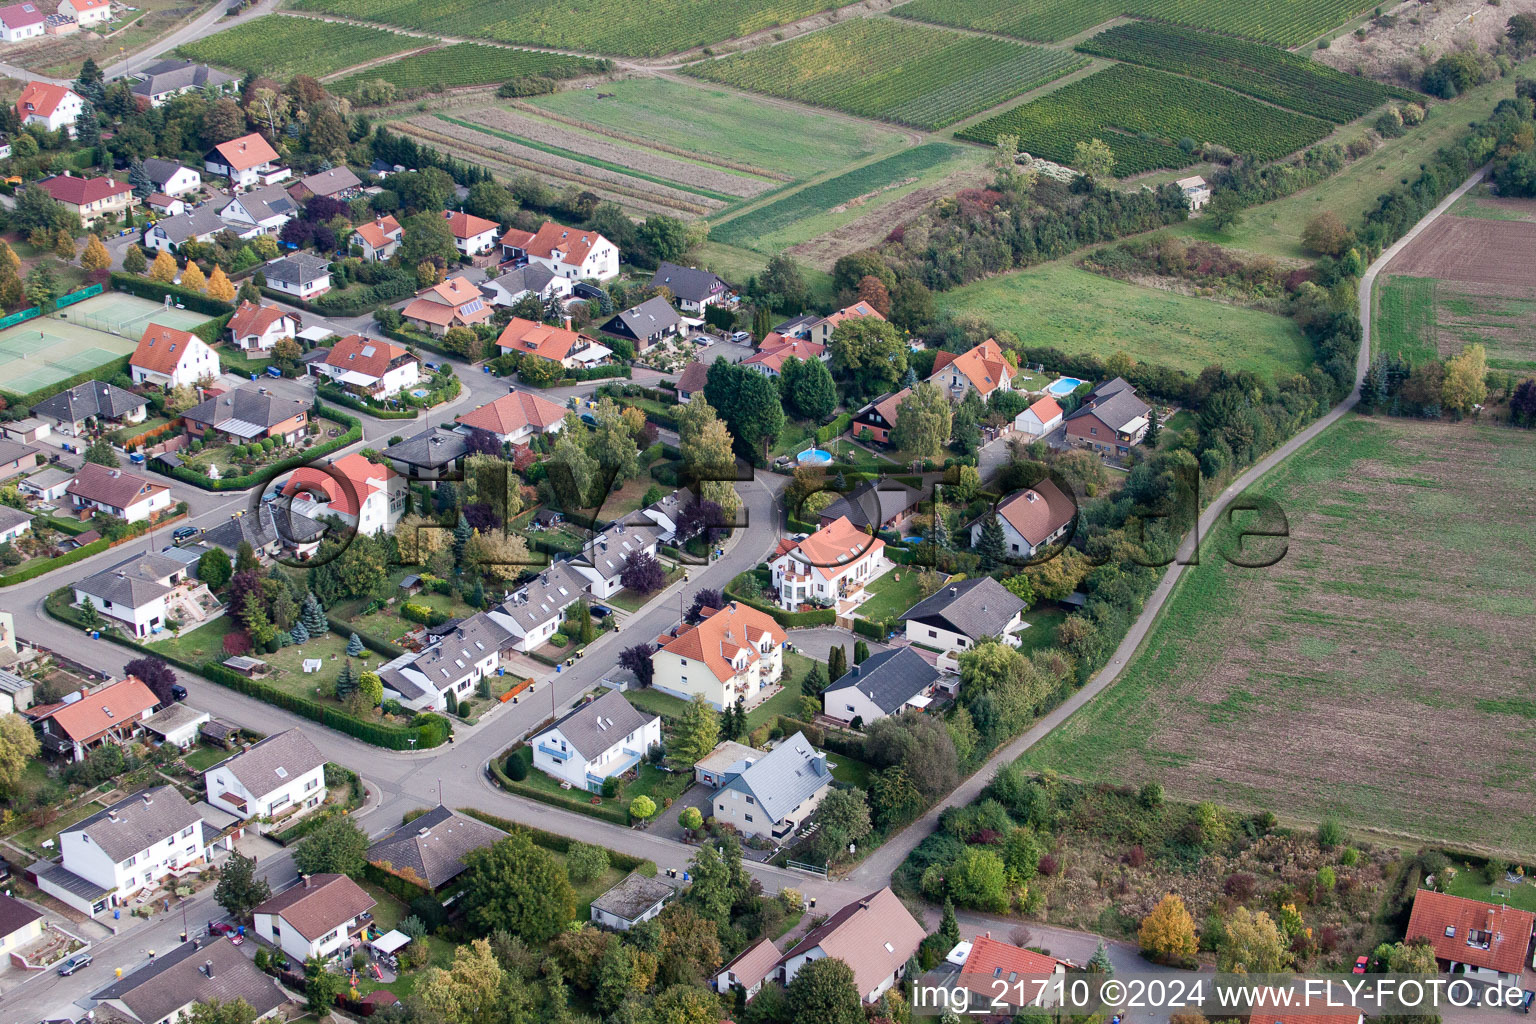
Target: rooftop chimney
(208, 968)
(305, 880)
(567, 323)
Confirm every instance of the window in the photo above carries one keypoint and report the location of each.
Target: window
(187, 831)
(750, 800)
(131, 861)
(933, 632)
(749, 817)
(1094, 431)
(849, 706)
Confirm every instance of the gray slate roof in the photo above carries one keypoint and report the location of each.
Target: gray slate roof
(1114, 402)
(12, 517)
(889, 678)
(469, 642)
(134, 582)
(10, 451)
(531, 277)
(599, 724)
(157, 990)
(653, 316)
(430, 449)
(609, 551)
(269, 201)
(177, 716)
(93, 398)
(136, 823)
(546, 596)
(265, 526)
(689, 283)
(298, 269)
(784, 777)
(633, 897)
(274, 762)
(975, 607)
(328, 183)
(161, 171)
(873, 503)
(204, 220)
(433, 846)
(248, 405)
(169, 75)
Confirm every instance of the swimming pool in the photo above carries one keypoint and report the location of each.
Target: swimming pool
(814, 457)
(1064, 386)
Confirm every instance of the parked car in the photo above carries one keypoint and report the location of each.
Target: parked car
(221, 928)
(1361, 963)
(741, 337)
(74, 963)
(185, 533)
(178, 692)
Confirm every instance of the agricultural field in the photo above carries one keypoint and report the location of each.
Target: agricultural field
(597, 26)
(1076, 311)
(470, 64)
(819, 207)
(1283, 78)
(1345, 679)
(1143, 115)
(279, 46)
(1282, 22)
(892, 70)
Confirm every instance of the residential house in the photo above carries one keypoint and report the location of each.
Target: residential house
(49, 485)
(769, 359)
(113, 855)
(162, 205)
(87, 12)
(529, 279)
(996, 974)
(1110, 421)
(256, 327)
(874, 936)
(166, 988)
(96, 400)
(282, 775)
(1196, 192)
(1039, 419)
(16, 458)
(515, 417)
(314, 918)
(377, 369)
(571, 253)
(751, 967)
(463, 655)
(172, 178)
(176, 724)
(810, 327)
(882, 504)
(245, 414)
(379, 238)
(21, 924)
(21, 21)
(55, 107)
(569, 348)
(134, 592)
(117, 492)
(876, 420)
(169, 234)
(433, 454)
(599, 739)
(964, 611)
(245, 161)
(797, 326)
(733, 652)
(835, 562)
(261, 211)
(361, 493)
(533, 614)
(273, 528)
(453, 303)
(711, 769)
(301, 275)
(108, 714)
(169, 358)
(637, 898)
(89, 198)
(691, 381)
(1033, 518)
(471, 235)
(983, 369)
(691, 287)
(164, 80)
(1489, 942)
(653, 321)
(885, 683)
(604, 558)
(429, 850)
(14, 523)
(772, 795)
(337, 183)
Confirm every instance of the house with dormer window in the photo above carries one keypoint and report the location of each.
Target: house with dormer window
(773, 794)
(464, 653)
(282, 775)
(832, 564)
(732, 652)
(601, 738)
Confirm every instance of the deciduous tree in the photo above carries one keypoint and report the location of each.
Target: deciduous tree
(95, 256)
(337, 846)
(869, 353)
(824, 991)
(154, 673)
(516, 887)
(1168, 932)
(192, 277)
(239, 890)
(18, 747)
(164, 268)
(924, 422)
(1251, 944)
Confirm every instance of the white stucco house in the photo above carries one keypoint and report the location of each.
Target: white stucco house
(774, 794)
(964, 611)
(134, 593)
(316, 917)
(1031, 519)
(281, 775)
(571, 253)
(245, 161)
(456, 661)
(601, 738)
(376, 369)
(169, 358)
(835, 562)
(875, 936)
(361, 493)
(1039, 419)
(255, 328)
(733, 652)
(634, 900)
(533, 614)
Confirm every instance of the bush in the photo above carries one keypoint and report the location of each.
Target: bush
(517, 768)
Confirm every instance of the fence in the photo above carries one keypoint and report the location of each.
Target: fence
(77, 296)
(800, 865)
(20, 316)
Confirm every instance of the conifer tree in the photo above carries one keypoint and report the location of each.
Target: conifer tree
(354, 646)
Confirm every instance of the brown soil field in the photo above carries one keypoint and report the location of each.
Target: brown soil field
(1476, 249)
(1381, 671)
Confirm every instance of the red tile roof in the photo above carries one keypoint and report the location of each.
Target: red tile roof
(874, 936)
(452, 299)
(67, 188)
(722, 635)
(888, 407)
(838, 545)
(251, 318)
(96, 712)
(513, 412)
(22, 15)
(359, 479)
(41, 98)
(773, 357)
(990, 960)
(854, 312)
(467, 225)
(538, 339)
(246, 152)
(1038, 511)
(985, 366)
(1046, 409)
(115, 487)
(573, 243)
(162, 348)
(377, 232)
(363, 354)
(1451, 923)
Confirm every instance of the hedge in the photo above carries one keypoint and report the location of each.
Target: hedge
(407, 337)
(577, 376)
(331, 393)
(834, 429)
(401, 889)
(617, 815)
(836, 740)
(429, 730)
(210, 330)
(789, 620)
(37, 569)
(870, 629)
(373, 643)
(104, 372)
(559, 843)
(241, 483)
(144, 288)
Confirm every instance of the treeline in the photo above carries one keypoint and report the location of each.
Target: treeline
(406, 152)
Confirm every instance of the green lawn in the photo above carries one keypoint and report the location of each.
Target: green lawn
(657, 703)
(1056, 304)
(894, 593)
(32, 839)
(1042, 627)
(1473, 885)
(386, 623)
(1405, 319)
(651, 782)
(202, 757)
(632, 600)
(287, 672)
(850, 771)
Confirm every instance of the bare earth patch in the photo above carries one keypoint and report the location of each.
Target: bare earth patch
(1394, 54)
(1471, 249)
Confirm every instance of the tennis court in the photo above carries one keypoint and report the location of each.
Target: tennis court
(79, 338)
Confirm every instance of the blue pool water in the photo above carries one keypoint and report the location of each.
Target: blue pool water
(814, 457)
(1064, 386)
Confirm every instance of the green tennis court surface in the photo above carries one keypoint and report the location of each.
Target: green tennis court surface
(79, 338)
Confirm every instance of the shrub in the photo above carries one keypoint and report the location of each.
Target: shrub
(517, 768)
(1330, 833)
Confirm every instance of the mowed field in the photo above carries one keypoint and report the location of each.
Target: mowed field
(469, 64)
(1380, 672)
(279, 46)
(1283, 22)
(618, 27)
(1061, 305)
(893, 70)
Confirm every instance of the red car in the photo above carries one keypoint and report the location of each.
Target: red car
(1361, 963)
